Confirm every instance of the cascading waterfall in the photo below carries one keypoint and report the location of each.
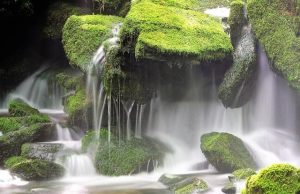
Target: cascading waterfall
(128, 108)
(40, 90)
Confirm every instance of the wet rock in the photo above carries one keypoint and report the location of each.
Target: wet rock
(44, 151)
(194, 185)
(229, 189)
(243, 174)
(226, 152)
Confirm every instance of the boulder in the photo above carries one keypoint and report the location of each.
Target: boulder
(43, 151)
(277, 178)
(34, 169)
(226, 152)
(191, 185)
(243, 174)
(229, 189)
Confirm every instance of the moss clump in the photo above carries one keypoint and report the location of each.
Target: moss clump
(82, 35)
(34, 169)
(278, 178)
(69, 81)
(9, 124)
(236, 20)
(89, 140)
(169, 33)
(10, 143)
(125, 157)
(236, 88)
(226, 152)
(242, 174)
(194, 185)
(19, 108)
(57, 15)
(275, 25)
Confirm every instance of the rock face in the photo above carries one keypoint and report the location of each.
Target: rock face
(43, 151)
(34, 169)
(275, 24)
(226, 152)
(236, 88)
(278, 178)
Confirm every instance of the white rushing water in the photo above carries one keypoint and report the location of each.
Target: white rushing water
(40, 90)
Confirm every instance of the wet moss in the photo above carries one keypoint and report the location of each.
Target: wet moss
(226, 152)
(82, 35)
(236, 20)
(242, 174)
(275, 24)
(196, 185)
(34, 169)
(19, 108)
(167, 33)
(277, 178)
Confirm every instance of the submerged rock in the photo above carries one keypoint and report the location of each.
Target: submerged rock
(226, 152)
(34, 169)
(229, 189)
(277, 178)
(43, 151)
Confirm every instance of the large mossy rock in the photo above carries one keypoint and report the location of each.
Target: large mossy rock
(11, 143)
(132, 156)
(239, 80)
(18, 108)
(57, 14)
(82, 35)
(34, 169)
(167, 33)
(226, 152)
(43, 151)
(276, 24)
(275, 179)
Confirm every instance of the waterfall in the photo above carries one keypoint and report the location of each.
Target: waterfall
(267, 123)
(128, 108)
(138, 120)
(40, 90)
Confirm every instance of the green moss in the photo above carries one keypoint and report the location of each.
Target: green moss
(275, 25)
(125, 157)
(155, 31)
(19, 108)
(278, 178)
(226, 152)
(8, 124)
(195, 186)
(10, 143)
(243, 173)
(236, 20)
(69, 81)
(82, 35)
(57, 15)
(89, 140)
(34, 169)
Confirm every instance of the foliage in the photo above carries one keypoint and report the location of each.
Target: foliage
(277, 178)
(226, 152)
(34, 169)
(169, 32)
(82, 35)
(275, 25)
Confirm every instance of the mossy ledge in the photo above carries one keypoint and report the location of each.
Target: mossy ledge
(276, 24)
(82, 35)
(226, 152)
(167, 33)
(277, 178)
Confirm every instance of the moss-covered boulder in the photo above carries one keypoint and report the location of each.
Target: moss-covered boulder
(34, 169)
(229, 188)
(9, 124)
(19, 108)
(82, 35)
(112, 7)
(43, 151)
(11, 143)
(237, 20)
(277, 178)
(226, 152)
(167, 33)
(242, 174)
(239, 80)
(117, 158)
(276, 24)
(57, 14)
